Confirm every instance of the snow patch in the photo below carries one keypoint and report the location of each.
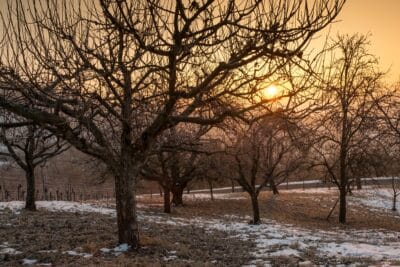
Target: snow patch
(75, 253)
(29, 261)
(5, 248)
(117, 250)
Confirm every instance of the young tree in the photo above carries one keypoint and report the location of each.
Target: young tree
(345, 103)
(110, 76)
(29, 146)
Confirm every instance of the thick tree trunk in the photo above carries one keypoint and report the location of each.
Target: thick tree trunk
(177, 194)
(167, 199)
(30, 189)
(256, 209)
(273, 186)
(128, 230)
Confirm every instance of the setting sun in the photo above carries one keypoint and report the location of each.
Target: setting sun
(270, 92)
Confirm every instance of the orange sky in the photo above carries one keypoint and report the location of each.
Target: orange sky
(380, 18)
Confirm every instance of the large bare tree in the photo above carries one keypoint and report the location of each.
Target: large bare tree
(110, 76)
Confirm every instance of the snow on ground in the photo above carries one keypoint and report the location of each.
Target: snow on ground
(117, 250)
(5, 248)
(272, 238)
(76, 253)
(376, 199)
(55, 206)
(29, 261)
(201, 196)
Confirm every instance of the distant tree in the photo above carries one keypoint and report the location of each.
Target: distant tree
(29, 146)
(177, 160)
(261, 154)
(345, 102)
(110, 76)
(388, 119)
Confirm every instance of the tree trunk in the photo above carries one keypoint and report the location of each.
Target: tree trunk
(30, 189)
(394, 208)
(177, 194)
(273, 186)
(256, 209)
(128, 230)
(211, 190)
(167, 199)
(358, 183)
(344, 185)
(342, 204)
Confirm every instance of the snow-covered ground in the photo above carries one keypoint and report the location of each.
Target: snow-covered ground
(272, 239)
(54, 206)
(201, 196)
(377, 199)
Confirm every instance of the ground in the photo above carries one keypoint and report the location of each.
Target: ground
(294, 232)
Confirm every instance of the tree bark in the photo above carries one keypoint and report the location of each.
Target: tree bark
(256, 209)
(177, 194)
(128, 230)
(30, 189)
(167, 199)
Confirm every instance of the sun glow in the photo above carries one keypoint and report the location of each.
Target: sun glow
(270, 92)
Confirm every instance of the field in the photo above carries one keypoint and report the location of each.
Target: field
(294, 232)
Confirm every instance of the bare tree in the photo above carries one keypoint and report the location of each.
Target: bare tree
(387, 104)
(111, 76)
(178, 160)
(29, 146)
(345, 104)
(262, 153)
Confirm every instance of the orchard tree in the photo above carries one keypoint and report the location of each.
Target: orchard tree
(345, 104)
(261, 154)
(29, 146)
(176, 161)
(387, 104)
(110, 76)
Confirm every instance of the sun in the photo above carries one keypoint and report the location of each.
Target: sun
(270, 92)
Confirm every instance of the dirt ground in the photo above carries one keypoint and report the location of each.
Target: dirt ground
(47, 236)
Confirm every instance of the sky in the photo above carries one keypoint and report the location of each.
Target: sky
(380, 19)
